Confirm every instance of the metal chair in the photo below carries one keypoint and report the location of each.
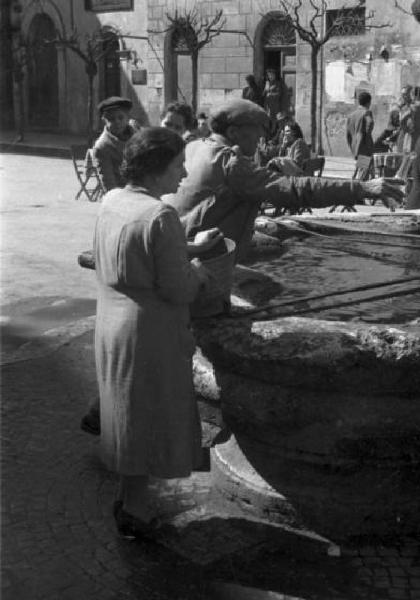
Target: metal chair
(404, 172)
(87, 173)
(386, 164)
(364, 168)
(314, 166)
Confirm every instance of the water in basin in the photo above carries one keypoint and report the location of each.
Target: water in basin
(309, 267)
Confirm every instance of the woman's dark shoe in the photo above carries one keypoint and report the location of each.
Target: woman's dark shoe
(131, 528)
(91, 423)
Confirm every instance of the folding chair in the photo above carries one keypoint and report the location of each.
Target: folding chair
(87, 173)
(404, 171)
(405, 167)
(314, 166)
(386, 164)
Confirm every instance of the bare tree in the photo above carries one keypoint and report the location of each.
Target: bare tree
(316, 35)
(91, 49)
(195, 31)
(414, 12)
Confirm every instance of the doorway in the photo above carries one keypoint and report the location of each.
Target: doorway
(275, 48)
(111, 67)
(283, 60)
(43, 103)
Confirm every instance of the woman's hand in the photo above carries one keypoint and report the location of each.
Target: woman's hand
(205, 240)
(203, 274)
(390, 191)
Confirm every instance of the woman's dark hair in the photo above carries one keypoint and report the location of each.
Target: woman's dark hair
(149, 152)
(296, 130)
(184, 110)
(364, 98)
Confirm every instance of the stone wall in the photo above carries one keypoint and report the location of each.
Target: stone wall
(68, 16)
(345, 62)
(224, 63)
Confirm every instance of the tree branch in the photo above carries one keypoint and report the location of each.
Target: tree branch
(402, 9)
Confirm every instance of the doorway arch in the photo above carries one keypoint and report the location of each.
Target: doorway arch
(43, 86)
(275, 48)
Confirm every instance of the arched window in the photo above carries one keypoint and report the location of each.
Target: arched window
(275, 48)
(43, 107)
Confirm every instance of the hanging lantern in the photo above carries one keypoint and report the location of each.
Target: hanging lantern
(415, 9)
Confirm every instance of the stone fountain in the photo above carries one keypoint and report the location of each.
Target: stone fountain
(323, 415)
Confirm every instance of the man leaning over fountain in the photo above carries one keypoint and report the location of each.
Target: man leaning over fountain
(224, 187)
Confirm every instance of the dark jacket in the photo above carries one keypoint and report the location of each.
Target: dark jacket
(253, 94)
(359, 132)
(225, 189)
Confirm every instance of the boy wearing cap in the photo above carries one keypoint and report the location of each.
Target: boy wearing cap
(108, 148)
(224, 188)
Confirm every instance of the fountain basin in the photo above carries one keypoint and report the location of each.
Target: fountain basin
(326, 414)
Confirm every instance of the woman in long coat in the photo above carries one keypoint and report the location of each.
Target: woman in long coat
(149, 420)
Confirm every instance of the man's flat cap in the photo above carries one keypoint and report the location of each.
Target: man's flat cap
(239, 112)
(114, 102)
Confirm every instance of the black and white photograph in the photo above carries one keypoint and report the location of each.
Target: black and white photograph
(210, 294)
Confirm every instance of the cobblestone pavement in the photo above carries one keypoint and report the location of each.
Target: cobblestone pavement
(59, 541)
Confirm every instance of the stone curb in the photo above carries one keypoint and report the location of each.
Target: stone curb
(35, 150)
(49, 341)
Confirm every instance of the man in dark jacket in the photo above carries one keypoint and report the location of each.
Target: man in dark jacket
(359, 131)
(224, 187)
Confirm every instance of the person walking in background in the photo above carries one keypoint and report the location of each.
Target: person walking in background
(274, 99)
(252, 91)
(359, 132)
(108, 148)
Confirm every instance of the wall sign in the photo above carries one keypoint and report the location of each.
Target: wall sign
(108, 5)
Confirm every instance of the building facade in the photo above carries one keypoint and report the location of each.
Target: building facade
(148, 61)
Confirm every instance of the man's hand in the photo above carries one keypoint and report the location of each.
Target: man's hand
(390, 191)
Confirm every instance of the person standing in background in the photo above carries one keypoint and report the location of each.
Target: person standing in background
(413, 200)
(359, 131)
(409, 121)
(108, 148)
(274, 96)
(252, 91)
